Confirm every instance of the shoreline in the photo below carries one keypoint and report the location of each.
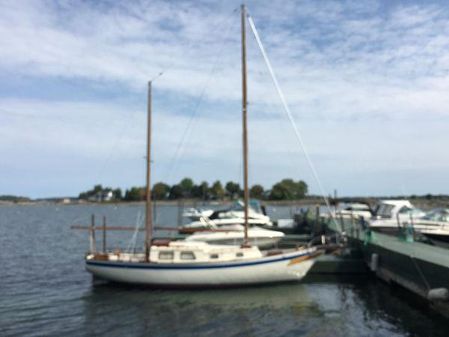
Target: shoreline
(420, 202)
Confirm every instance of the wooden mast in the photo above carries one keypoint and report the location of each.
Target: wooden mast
(245, 135)
(148, 206)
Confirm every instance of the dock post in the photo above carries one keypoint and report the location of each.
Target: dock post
(92, 235)
(104, 234)
(352, 224)
(180, 210)
(317, 225)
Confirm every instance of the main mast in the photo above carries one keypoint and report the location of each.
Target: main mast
(244, 113)
(148, 205)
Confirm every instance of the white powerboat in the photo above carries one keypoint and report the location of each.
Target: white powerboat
(234, 215)
(434, 225)
(354, 210)
(234, 235)
(390, 215)
(218, 223)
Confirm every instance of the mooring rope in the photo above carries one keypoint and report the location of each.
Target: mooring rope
(133, 241)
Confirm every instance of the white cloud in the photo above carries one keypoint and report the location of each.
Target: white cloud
(350, 71)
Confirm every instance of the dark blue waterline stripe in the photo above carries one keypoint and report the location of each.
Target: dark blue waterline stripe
(177, 266)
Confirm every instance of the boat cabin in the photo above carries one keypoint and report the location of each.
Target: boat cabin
(188, 252)
(392, 209)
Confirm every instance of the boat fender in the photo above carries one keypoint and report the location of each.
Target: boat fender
(374, 263)
(323, 239)
(438, 294)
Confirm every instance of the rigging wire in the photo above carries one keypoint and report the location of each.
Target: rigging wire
(289, 115)
(180, 147)
(133, 241)
(189, 126)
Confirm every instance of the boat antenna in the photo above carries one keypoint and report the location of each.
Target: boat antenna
(244, 120)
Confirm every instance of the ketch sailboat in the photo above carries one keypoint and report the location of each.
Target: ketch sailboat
(199, 264)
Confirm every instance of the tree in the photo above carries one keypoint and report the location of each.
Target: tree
(301, 189)
(205, 190)
(256, 192)
(95, 192)
(233, 189)
(201, 191)
(175, 192)
(83, 196)
(186, 186)
(117, 194)
(135, 194)
(217, 191)
(160, 191)
(287, 189)
(97, 189)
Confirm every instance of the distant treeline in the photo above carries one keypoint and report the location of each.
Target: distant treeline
(13, 198)
(286, 189)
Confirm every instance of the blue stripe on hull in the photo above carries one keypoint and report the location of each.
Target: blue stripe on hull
(177, 266)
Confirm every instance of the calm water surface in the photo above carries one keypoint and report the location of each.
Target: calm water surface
(45, 291)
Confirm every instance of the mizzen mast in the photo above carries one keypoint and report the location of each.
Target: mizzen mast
(148, 205)
(244, 120)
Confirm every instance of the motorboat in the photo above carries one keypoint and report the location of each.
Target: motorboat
(209, 219)
(390, 215)
(235, 215)
(434, 225)
(354, 210)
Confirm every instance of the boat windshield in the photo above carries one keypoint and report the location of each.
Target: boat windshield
(384, 211)
(414, 212)
(439, 214)
(254, 205)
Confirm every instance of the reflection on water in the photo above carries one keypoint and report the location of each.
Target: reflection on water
(359, 308)
(45, 291)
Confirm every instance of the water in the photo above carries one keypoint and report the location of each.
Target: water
(45, 291)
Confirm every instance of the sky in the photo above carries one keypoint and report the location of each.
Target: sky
(367, 83)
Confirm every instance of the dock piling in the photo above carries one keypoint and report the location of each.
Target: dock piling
(104, 234)
(92, 235)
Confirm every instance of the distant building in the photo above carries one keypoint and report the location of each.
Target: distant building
(106, 195)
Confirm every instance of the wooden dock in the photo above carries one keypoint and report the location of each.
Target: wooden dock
(419, 267)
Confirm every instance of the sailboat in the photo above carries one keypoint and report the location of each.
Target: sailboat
(199, 264)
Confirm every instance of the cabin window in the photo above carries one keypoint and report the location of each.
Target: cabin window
(213, 256)
(187, 256)
(385, 211)
(166, 255)
(239, 254)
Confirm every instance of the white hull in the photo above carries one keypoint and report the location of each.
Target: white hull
(262, 238)
(291, 266)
